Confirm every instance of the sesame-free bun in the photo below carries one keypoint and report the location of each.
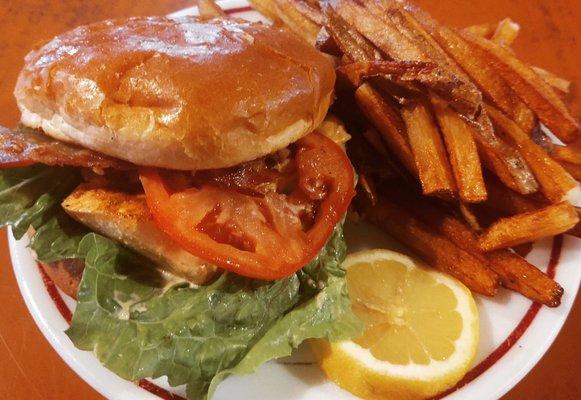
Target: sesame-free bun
(178, 93)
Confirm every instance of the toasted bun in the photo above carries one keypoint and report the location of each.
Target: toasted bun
(176, 93)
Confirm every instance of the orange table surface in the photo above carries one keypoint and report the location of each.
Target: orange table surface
(31, 369)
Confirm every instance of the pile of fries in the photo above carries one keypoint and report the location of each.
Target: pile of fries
(450, 137)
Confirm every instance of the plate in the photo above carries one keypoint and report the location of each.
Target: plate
(514, 332)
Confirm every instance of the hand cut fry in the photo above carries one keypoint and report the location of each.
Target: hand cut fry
(484, 30)
(573, 169)
(358, 49)
(567, 153)
(266, 8)
(506, 32)
(502, 159)
(507, 163)
(462, 150)
(470, 218)
(402, 71)
(436, 250)
(209, 9)
(569, 158)
(519, 275)
(412, 29)
(555, 182)
(387, 120)
(351, 42)
(434, 170)
(386, 35)
(553, 80)
(368, 188)
(527, 227)
(532, 89)
(312, 11)
(477, 67)
(515, 272)
(287, 12)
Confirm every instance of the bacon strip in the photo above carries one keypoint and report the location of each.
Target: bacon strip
(25, 146)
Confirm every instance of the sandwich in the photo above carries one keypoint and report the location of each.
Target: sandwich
(172, 175)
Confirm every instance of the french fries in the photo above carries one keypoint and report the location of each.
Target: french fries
(573, 169)
(434, 170)
(266, 8)
(462, 96)
(507, 163)
(519, 275)
(386, 35)
(569, 158)
(404, 71)
(563, 85)
(387, 120)
(515, 273)
(351, 42)
(504, 160)
(471, 219)
(209, 9)
(532, 89)
(501, 158)
(477, 67)
(527, 227)
(310, 10)
(462, 150)
(294, 18)
(554, 181)
(483, 30)
(506, 32)
(435, 249)
(566, 153)
(445, 103)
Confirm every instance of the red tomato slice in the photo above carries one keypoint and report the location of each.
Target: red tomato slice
(260, 221)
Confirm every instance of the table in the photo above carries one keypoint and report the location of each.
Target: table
(30, 369)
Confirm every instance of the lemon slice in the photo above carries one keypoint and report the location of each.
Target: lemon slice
(421, 330)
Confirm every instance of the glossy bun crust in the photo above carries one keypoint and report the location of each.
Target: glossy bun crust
(176, 93)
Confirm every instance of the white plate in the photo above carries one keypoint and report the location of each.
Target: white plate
(500, 363)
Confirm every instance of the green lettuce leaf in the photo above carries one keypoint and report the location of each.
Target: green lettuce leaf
(58, 238)
(31, 195)
(327, 315)
(200, 335)
(138, 327)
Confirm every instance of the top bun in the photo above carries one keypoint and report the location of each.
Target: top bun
(180, 93)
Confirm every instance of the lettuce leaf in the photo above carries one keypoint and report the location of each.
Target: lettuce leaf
(139, 328)
(200, 335)
(31, 195)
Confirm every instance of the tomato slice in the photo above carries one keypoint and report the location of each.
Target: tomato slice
(257, 220)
